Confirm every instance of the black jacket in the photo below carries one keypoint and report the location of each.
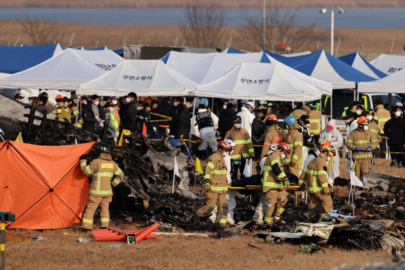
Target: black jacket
(258, 128)
(128, 117)
(394, 129)
(181, 122)
(226, 120)
(89, 120)
(165, 109)
(143, 117)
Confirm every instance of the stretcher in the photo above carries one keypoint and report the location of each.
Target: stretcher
(258, 188)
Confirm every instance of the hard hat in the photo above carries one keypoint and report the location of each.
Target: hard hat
(230, 141)
(204, 102)
(43, 95)
(237, 120)
(272, 117)
(59, 97)
(326, 146)
(284, 148)
(251, 104)
(224, 145)
(290, 120)
(103, 148)
(362, 120)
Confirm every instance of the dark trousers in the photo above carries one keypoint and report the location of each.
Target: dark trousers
(398, 157)
(383, 148)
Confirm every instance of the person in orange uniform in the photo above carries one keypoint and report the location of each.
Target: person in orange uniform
(104, 172)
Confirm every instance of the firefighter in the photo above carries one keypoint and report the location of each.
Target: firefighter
(273, 182)
(382, 115)
(315, 123)
(362, 142)
(104, 172)
(60, 104)
(215, 185)
(273, 134)
(295, 141)
(300, 111)
(373, 125)
(207, 123)
(244, 147)
(315, 177)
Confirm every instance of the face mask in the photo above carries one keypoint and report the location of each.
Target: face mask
(330, 128)
(365, 128)
(66, 104)
(237, 125)
(398, 113)
(115, 102)
(283, 156)
(225, 153)
(359, 112)
(96, 103)
(329, 158)
(175, 103)
(111, 109)
(369, 117)
(224, 107)
(128, 100)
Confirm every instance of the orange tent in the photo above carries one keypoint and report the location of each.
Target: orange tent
(43, 185)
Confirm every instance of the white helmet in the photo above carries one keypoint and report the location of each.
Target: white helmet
(231, 143)
(272, 149)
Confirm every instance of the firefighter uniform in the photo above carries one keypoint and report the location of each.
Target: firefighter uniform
(373, 127)
(273, 187)
(215, 188)
(305, 110)
(295, 141)
(243, 149)
(102, 171)
(362, 139)
(315, 176)
(315, 117)
(382, 116)
(273, 136)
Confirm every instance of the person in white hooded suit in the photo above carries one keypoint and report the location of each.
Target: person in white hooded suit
(247, 117)
(336, 139)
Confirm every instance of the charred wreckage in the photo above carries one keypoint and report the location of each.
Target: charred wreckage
(379, 210)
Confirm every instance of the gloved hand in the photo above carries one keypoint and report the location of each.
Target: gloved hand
(258, 169)
(287, 183)
(293, 164)
(358, 148)
(369, 149)
(326, 190)
(207, 187)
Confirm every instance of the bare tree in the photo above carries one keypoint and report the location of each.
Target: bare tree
(280, 27)
(39, 32)
(203, 25)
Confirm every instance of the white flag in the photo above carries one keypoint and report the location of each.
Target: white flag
(247, 172)
(176, 168)
(354, 181)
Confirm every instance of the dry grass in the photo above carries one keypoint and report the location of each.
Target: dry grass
(376, 40)
(63, 252)
(182, 3)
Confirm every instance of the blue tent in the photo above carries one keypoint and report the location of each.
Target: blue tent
(16, 59)
(232, 50)
(323, 66)
(119, 51)
(358, 62)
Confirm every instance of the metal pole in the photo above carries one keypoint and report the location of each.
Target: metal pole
(337, 47)
(71, 39)
(332, 30)
(392, 46)
(16, 42)
(264, 25)
(175, 43)
(125, 41)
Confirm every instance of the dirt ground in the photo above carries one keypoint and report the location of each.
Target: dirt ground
(61, 251)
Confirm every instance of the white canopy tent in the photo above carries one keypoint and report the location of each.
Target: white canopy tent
(260, 81)
(389, 63)
(145, 77)
(65, 71)
(394, 83)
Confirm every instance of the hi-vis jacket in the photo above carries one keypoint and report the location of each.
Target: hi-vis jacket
(244, 145)
(273, 173)
(215, 173)
(364, 139)
(315, 174)
(273, 136)
(382, 116)
(295, 141)
(102, 171)
(315, 122)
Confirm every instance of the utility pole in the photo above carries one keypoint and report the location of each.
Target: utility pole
(264, 25)
(332, 30)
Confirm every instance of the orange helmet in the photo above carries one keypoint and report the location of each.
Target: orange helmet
(326, 146)
(284, 148)
(224, 145)
(272, 117)
(362, 120)
(59, 97)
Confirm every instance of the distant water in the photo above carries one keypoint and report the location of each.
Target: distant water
(365, 18)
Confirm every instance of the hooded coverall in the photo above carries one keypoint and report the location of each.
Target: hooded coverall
(293, 161)
(336, 140)
(315, 176)
(102, 171)
(362, 139)
(215, 188)
(273, 187)
(247, 120)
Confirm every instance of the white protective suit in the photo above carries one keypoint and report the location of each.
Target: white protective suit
(262, 205)
(247, 119)
(336, 139)
(207, 134)
(230, 196)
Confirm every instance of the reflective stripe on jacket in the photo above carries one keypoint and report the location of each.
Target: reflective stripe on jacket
(295, 141)
(215, 173)
(363, 139)
(315, 122)
(244, 145)
(270, 180)
(273, 136)
(315, 175)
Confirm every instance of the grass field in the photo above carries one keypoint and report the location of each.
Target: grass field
(375, 41)
(182, 3)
